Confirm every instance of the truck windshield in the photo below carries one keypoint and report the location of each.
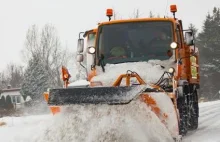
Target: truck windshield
(135, 41)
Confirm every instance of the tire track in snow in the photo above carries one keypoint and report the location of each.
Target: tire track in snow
(207, 108)
(209, 117)
(209, 121)
(207, 112)
(209, 125)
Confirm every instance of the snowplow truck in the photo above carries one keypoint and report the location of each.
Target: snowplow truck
(153, 60)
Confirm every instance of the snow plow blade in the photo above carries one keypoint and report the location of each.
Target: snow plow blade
(96, 95)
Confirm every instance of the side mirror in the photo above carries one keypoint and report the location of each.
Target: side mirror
(80, 45)
(79, 57)
(189, 38)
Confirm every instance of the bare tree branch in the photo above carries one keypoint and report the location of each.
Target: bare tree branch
(151, 15)
(13, 76)
(47, 47)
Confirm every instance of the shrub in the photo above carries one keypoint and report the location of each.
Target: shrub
(2, 102)
(8, 103)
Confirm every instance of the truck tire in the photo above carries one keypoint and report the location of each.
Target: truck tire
(194, 111)
(182, 108)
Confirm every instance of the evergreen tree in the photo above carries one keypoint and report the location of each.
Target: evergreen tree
(36, 80)
(8, 103)
(194, 29)
(2, 102)
(209, 45)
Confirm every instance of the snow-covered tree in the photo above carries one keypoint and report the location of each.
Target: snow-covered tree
(208, 41)
(194, 29)
(36, 79)
(46, 45)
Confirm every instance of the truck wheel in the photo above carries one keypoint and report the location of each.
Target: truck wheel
(181, 105)
(194, 111)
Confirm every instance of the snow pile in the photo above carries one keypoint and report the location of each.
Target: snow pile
(93, 123)
(150, 71)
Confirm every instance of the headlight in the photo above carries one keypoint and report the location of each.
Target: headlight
(91, 50)
(171, 70)
(173, 45)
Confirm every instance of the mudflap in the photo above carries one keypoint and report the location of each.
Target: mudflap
(94, 95)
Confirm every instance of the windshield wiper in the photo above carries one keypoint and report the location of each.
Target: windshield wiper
(134, 61)
(101, 62)
(161, 66)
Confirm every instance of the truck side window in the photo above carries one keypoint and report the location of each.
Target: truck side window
(100, 44)
(91, 40)
(178, 35)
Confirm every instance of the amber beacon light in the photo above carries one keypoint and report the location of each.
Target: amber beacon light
(173, 9)
(109, 13)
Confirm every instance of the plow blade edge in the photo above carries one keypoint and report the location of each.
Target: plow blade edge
(95, 95)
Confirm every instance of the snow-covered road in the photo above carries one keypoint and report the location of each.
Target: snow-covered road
(29, 128)
(209, 124)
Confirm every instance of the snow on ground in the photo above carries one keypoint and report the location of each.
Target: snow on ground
(23, 129)
(140, 125)
(209, 124)
(125, 123)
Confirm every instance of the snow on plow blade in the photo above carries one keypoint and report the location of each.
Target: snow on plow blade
(96, 95)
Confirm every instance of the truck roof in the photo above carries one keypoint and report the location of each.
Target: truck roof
(137, 20)
(89, 31)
